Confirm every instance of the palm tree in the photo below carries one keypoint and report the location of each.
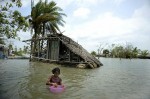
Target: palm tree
(46, 13)
(52, 26)
(46, 16)
(144, 53)
(135, 52)
(55, 11)
(106, 52)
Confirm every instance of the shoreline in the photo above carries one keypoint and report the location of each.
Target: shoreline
(18, 57)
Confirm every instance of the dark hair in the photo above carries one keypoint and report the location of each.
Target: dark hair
(56, 70)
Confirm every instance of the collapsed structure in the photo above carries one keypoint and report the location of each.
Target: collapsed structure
(61, 49)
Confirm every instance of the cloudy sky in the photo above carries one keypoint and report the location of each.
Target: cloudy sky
(95, 22)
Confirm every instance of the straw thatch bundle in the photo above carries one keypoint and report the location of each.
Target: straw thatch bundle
(80, 51)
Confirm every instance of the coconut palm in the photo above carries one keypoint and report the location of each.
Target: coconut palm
(135, 52)
(144, 53)
(46, 16)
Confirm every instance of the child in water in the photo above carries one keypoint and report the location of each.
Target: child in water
(54, 79)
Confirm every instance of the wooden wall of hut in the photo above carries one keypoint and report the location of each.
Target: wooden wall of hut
(53, 49)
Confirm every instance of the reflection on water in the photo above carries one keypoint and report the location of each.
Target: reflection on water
(117, 79)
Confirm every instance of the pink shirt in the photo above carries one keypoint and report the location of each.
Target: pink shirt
(54, 79)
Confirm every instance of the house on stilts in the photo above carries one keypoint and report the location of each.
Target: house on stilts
(61, 49)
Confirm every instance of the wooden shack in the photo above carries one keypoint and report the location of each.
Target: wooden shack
(61, 49)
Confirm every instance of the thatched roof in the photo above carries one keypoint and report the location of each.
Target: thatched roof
(79, 50)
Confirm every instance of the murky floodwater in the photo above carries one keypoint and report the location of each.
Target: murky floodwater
(117, 79)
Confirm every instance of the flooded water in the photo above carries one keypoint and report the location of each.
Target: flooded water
(117, 79)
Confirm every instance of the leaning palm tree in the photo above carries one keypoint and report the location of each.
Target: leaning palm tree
(52, 26)
(45, 16)
(54, 10)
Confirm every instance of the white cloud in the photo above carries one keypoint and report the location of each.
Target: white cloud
(142, 12)
(105, 27)
(87, 2)
(63, 3)
(112, 29)
(26, 3)
(24, 35)
(78, 3)
(117, 2)
(81, 12)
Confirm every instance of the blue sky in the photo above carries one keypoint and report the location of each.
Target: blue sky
(95, 22)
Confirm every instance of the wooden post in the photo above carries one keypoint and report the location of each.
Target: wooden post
(47, 53)
(30, 51)
(58, 48)
(79, 59)
(39, 48)
(69, 55)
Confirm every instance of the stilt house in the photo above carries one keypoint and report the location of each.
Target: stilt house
(61, 49)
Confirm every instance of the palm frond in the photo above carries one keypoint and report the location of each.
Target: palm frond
(49, 14)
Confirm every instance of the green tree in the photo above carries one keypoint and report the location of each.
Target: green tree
(15, 49)
(10, 46)
(110, 48)
(46, 13)
(105, 52)
(20, 49)
(11, 21)
(2, 39)
(25, 49)
(45, 16)
(122, 51)
(144, 53)
(118, 51)
(135, 52)
(128, 50)
(93, 53)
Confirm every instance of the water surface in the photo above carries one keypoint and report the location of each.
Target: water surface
(117, 79)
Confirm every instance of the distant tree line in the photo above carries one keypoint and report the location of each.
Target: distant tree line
(121, 51)
(19, 52)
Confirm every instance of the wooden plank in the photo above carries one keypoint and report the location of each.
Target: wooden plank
(54, 49)
(42, 38)
(58, 49)
(47, 53)
(69, 55)
(39, 48)
(31, 51)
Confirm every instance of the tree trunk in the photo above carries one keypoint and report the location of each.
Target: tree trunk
(35, 41)
(43, 35)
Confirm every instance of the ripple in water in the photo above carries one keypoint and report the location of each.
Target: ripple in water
(117, 79)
